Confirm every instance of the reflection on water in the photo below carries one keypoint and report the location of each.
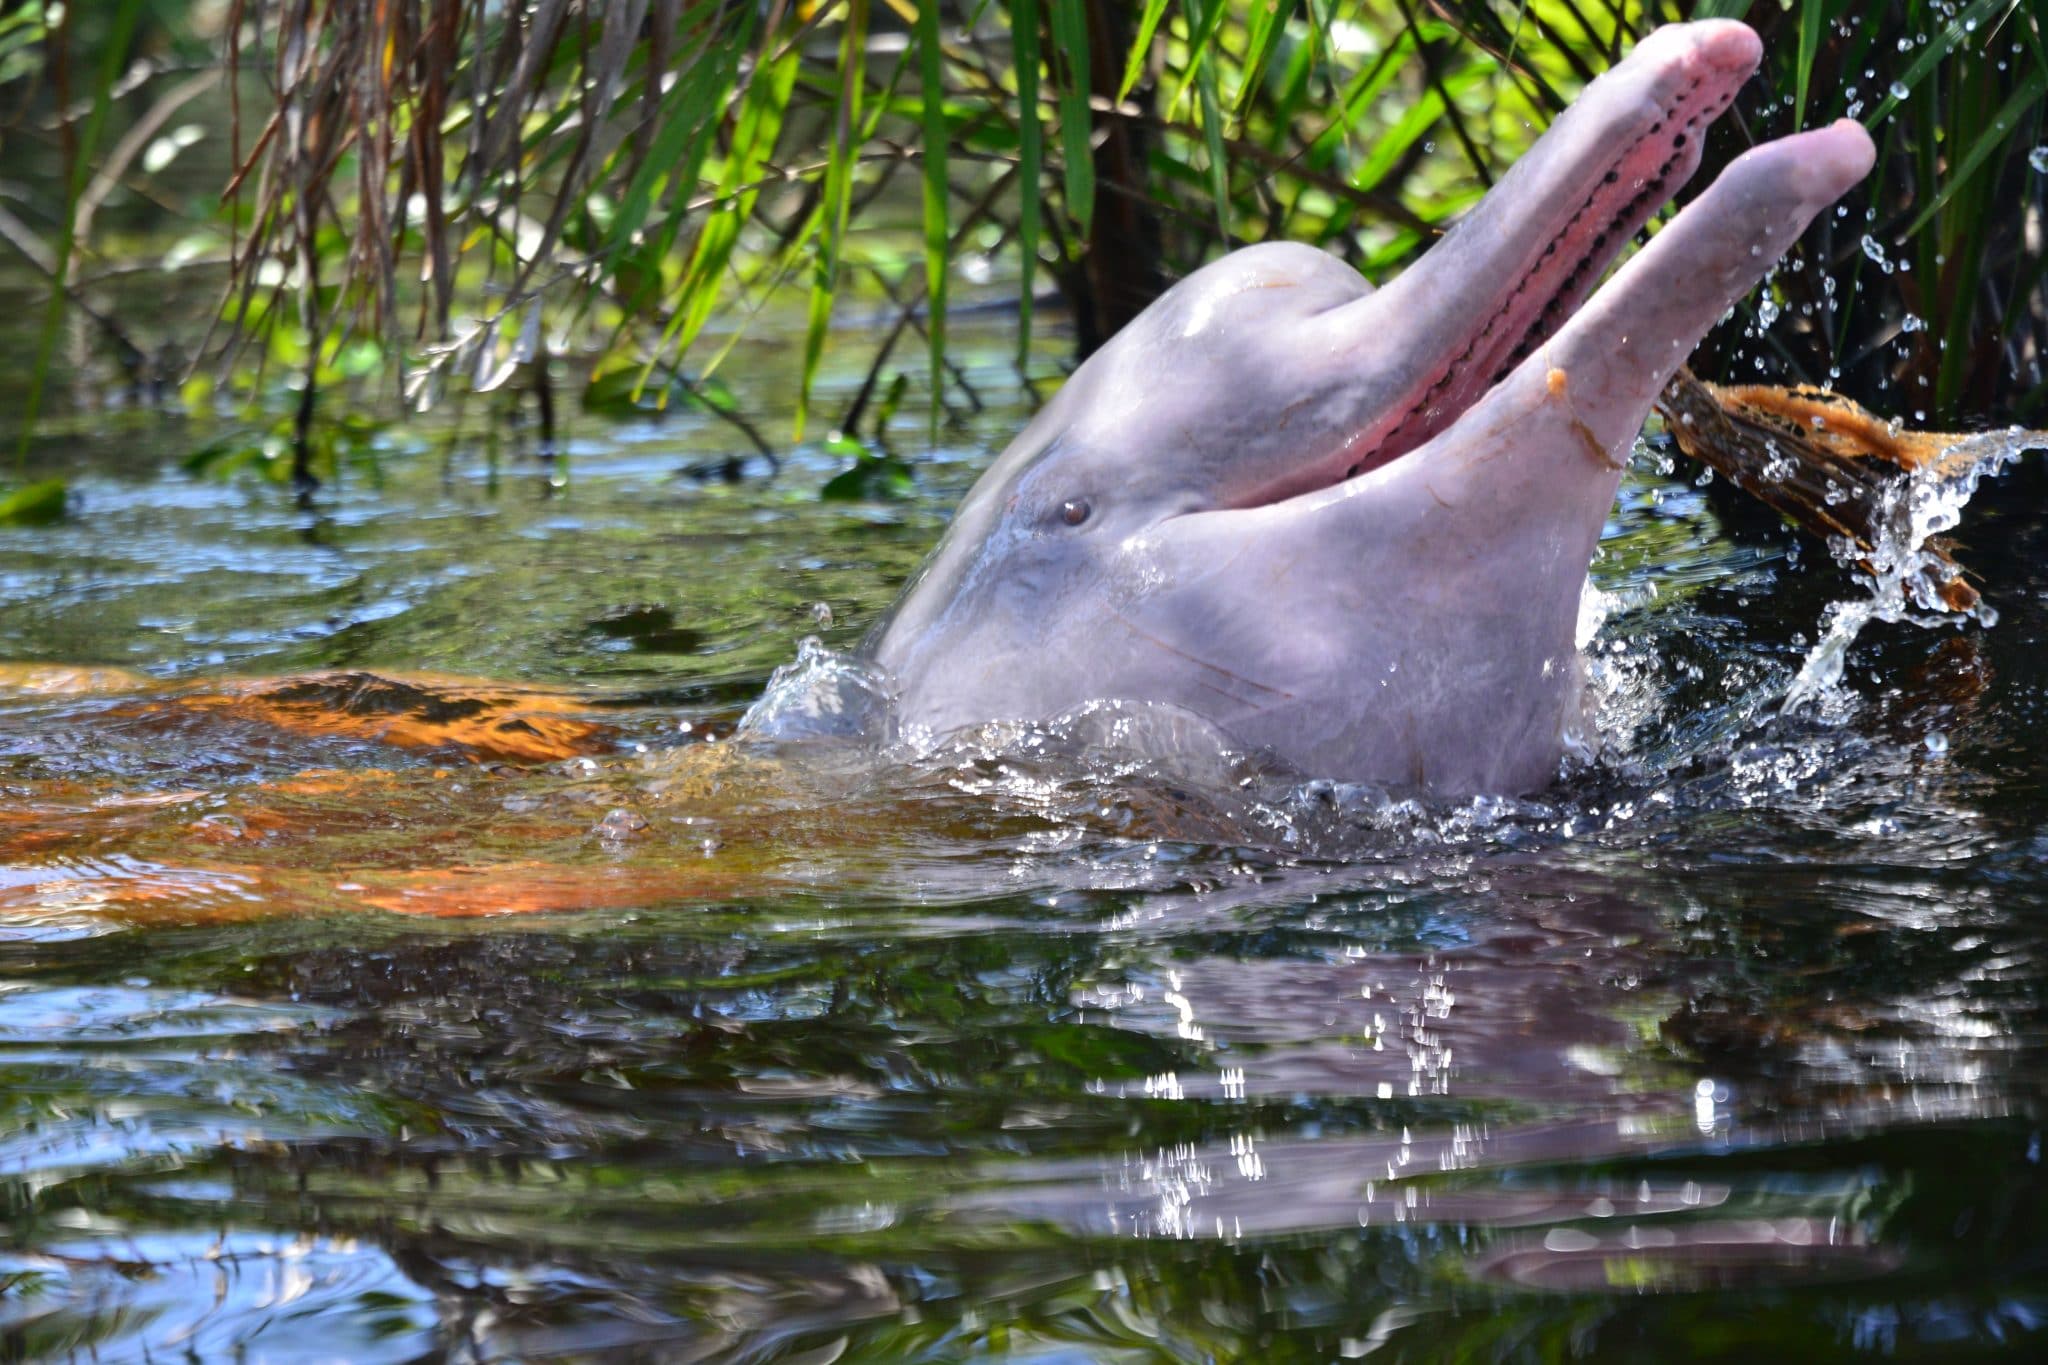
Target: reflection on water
(322, 1038)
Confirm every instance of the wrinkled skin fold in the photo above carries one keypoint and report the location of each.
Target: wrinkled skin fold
(1348, 527)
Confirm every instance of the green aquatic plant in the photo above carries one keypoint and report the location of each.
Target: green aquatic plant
(1924, 297)
(499, 198)
(32, 504)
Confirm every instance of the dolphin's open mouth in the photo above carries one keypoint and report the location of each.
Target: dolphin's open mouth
(1645, 175)
(1555, 227)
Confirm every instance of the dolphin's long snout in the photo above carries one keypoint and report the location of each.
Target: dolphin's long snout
(1619, 350)
(1498, 285)
(1726, 45)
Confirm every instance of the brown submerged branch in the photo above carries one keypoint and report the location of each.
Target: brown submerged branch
(1820, 461)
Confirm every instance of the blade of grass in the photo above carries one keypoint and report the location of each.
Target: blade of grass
(1070, 41)
(1417, 120)
(838, 194)
(1812, 14)
(119, 34)
(1212, 119)
(1141, 47)
(754, 136)
(1030, 156)
(1965, 23)
(1268, 26)
(682, 135)
(937, 248)
(1204, 22)
(1360, 93)
(1996, 136)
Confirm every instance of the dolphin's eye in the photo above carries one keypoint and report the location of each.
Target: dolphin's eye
(1074, 511)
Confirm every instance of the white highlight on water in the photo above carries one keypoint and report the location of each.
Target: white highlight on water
(1906, 576)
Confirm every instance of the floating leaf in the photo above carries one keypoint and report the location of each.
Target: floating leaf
(873, 478)
(36, 505)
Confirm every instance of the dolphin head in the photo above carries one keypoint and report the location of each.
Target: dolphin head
(1351, 527)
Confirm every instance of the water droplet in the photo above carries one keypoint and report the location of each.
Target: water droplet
(2038, 158)
(1907, 579)
(1900, 90)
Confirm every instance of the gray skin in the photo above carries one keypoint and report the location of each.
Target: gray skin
(1351, 528)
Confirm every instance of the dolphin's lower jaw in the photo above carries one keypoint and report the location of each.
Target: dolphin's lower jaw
(1182, 524)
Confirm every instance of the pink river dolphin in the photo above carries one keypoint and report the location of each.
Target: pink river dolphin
(1350, 527)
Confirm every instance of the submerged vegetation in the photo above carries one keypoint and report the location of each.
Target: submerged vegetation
(395, 204)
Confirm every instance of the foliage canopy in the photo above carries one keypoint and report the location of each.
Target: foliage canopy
(460, 191)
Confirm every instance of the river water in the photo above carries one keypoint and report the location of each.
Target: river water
(325, 1039)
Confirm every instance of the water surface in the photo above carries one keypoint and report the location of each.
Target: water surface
(315, 1046)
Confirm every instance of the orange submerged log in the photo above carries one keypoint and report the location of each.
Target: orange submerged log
(499, 722)
(1827, 465)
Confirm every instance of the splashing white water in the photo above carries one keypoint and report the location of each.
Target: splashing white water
(1905, 576)
(822, 694)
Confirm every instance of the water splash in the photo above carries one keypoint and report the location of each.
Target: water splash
(823, 694)
(1905, 576)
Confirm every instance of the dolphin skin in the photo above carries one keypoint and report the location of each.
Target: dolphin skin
(1350, 528)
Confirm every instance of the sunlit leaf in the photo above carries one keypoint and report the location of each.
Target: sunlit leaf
(35, 505)
(1070, 41)
(1141, 47)
(873, 478)
(836, 199)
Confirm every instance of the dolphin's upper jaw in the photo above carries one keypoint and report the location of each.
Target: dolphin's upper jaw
(1543, 238)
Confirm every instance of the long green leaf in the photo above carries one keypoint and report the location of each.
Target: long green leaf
(1141, 47)
(676, 153)
(121, 32)
(1812, 14)
(1995, 137)
(936, 230)
(1361, 92)
(1204, 21)
(1952, 33)
(1030, 158)
(1418, 119)
(1268, 25)
(837, 198)
(754, 135)
(1070, 40)
(1212, 120)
